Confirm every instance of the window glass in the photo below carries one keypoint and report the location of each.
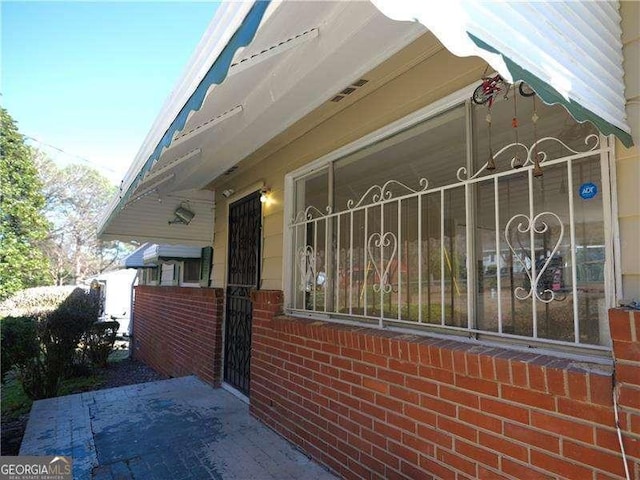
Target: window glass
(168, 276)
(517, 269)
(191, 270)
(150, 275)
(418, 228)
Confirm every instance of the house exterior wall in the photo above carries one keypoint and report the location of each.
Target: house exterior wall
(375, 404)
(421, 82)
(628, 160)
(178, 330)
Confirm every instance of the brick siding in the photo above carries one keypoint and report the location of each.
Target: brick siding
(178, 330)
(377, 404)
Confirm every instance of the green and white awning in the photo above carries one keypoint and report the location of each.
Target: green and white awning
(569, 52)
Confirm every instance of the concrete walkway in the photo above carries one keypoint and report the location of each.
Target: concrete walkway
(172, 429)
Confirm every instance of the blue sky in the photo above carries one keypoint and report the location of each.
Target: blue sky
(90, 78)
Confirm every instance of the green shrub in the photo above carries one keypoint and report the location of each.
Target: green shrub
(18, 343)
(35, 300)
(22, 350)
(67, 324)
(98, 342)
(42, 346)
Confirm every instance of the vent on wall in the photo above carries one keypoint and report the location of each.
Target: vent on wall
(349, 90)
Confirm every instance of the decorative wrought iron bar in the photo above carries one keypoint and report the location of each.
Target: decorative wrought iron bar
(419, 260)
(386, 256)
(442, 247)
(399, 261)
(574, 270)
(496, 196)
(351, 263)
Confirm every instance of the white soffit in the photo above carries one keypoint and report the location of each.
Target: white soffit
(574, 47)
(146, 219)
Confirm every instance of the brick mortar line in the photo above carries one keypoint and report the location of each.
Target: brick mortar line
(561, 456)
(455, 436)
(375, 334)
(508, 402)
(480, 396)
(526, 364)
(525, 465)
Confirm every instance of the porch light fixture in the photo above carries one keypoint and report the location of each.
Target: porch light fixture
(182, 216)
(265, 195)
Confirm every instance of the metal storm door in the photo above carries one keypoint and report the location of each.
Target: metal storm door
(243, 275)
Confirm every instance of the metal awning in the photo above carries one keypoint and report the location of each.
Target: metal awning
(154, 253)
(569, 52)
(135, 260)
(273, 54)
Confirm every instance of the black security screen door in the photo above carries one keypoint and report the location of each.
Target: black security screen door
(243, 275)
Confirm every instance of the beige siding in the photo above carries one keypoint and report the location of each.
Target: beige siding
(628, 194)
(628, 160)
(421, 74)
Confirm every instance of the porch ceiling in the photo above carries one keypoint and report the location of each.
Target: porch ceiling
(302, 54)
(145, 218)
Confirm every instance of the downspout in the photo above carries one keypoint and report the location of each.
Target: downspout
(131, 304)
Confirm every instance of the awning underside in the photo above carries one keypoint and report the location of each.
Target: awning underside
(145, 218)
(303, 50)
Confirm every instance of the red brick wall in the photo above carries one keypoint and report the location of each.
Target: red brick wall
(377, 404)
(178, 330)
(625, 333)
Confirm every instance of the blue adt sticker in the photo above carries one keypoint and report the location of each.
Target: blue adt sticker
(588, 190)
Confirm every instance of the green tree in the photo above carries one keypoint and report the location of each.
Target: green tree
(23, 227)
(76, 197)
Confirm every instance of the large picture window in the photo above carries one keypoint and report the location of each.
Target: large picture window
(475, 221)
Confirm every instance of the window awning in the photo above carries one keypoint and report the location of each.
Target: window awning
(135, 260)
(569, 52)
(155, 253)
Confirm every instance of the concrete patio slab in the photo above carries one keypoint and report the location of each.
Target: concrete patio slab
(174, 429)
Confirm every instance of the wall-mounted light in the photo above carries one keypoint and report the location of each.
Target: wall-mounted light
(265, 195)
(228, 192)
(182, 215)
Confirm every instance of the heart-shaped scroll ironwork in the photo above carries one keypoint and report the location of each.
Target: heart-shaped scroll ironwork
(307, 266)
(538, 226)
(380, 244)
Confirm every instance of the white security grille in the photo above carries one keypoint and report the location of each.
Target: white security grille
(501, 253)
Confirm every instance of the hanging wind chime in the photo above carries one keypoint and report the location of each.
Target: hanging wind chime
(516, 161)
(537, 170)
(491, 163)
